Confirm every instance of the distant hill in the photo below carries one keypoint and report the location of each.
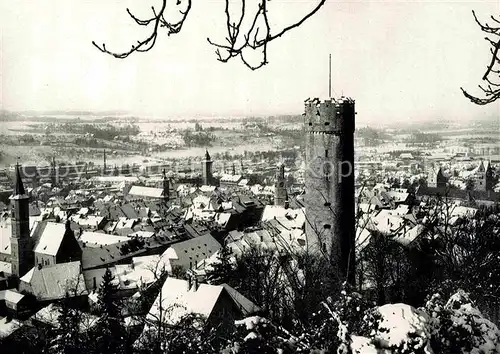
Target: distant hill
(8, 116)
(73, 113)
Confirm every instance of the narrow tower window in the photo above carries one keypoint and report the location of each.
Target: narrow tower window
(326, 153)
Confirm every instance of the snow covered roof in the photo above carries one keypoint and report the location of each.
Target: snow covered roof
(385, 222)
(462, 211)
(90, 220)
(8, 326)
(5, 233)
(99, 238)
(5, 267)
(193, 250)
(11, 296)
(178, 300)
(143, 234)
(51, 239)
(148, 192)
(406, 236)
(114, 179)
(50, 314)
(207, 189)
(230, 178)
(243, 182)
(52, 283)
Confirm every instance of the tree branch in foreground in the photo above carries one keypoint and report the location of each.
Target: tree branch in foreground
(238, 40)
(492, 89)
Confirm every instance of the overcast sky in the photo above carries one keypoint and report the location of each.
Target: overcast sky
(398, 60)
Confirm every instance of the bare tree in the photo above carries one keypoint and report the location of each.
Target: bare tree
(492, 74)
(239, 40)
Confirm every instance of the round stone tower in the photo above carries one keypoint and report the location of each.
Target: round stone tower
(329, 180)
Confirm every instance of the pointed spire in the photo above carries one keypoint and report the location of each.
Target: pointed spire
(19, 189)
(207, 155)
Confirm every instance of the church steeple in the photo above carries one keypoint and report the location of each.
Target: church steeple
(20, 241)
(166, 186)
(207, 170)
(19, 187)
(280, 193)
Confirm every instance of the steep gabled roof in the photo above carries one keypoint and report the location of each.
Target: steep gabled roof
(51, 239)
(52, 283)
(177, 300)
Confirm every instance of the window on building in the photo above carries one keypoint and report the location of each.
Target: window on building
(326, 153)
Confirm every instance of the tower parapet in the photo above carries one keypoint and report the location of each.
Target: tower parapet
(330, 116)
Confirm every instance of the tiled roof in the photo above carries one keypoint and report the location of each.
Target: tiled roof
(193, 250)
(94, 257)
(52, 283)
(459, 193)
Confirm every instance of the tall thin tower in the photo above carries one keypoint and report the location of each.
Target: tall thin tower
(104, 162)
(206, 166)
(20, 240)
(329, 179)
(280, 194)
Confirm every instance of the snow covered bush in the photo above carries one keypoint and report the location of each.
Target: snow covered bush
(457, 326)
(394, 328)
(328, 331)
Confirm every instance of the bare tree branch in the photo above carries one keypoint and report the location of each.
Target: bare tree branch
(251, 37)
(159, 22)
(256, 38)
(492, 92)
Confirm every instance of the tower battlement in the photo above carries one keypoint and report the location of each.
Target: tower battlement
(329, 116)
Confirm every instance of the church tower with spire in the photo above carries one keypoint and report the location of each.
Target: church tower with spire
(166, 186)
(20, 241)
(280, 195)
(207, 178)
